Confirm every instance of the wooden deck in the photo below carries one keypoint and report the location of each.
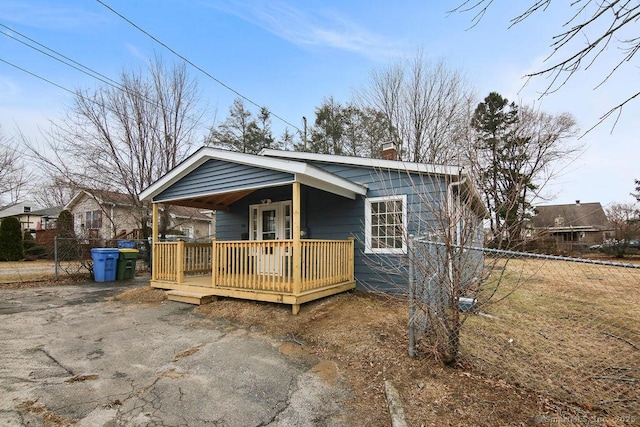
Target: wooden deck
(256, 270)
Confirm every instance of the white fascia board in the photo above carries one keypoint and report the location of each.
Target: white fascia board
(76, 197)
(299, 169)
(364, 161)
(330, 187)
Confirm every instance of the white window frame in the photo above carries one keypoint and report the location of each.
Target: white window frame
(187, 231)
(367, 220)
(280, 217)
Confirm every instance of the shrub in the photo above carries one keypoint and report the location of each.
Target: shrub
(27, 240)
(10, 239)
(35, 252)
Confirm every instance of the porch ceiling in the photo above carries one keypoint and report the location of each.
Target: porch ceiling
(218, 202)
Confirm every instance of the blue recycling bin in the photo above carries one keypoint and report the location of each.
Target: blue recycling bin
(105, 261)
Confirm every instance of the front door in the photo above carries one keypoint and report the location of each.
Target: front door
(270, 221)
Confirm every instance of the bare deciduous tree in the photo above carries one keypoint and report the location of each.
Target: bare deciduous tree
(591, 29)
(427, 106)
(124, 138)
(625, 221)
(13, 173)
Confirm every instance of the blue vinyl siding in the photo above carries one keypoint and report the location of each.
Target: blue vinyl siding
(333, 217)
(217, 176)
(328, 216)
(234, 224)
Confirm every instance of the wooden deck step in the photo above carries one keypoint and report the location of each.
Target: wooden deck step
(188, 297)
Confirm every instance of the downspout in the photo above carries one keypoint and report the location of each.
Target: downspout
(458, 225)
(453, 209)
(113, 224)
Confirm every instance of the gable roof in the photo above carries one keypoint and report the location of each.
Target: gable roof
(570, 216)
(302, 172)
(102, 197)
(457, 174)
(52, 212)
(17, 209)
(366, 162)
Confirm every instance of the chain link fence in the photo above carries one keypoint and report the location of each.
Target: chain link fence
(72, 256)
(566, 328)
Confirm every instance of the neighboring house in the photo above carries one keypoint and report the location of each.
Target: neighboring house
(25, 212)
(48, 217)
(576, 224)
(292, 227)
(111, 215)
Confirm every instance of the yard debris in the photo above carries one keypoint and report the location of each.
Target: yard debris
(79, 378)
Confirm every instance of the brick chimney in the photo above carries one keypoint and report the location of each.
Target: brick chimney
(389, 151)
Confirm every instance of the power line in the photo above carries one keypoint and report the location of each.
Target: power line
(185, 59)
(37, 76)
(71, 63)
(56, 55)
(78, 94)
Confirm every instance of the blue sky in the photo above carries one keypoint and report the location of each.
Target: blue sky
(288, 56)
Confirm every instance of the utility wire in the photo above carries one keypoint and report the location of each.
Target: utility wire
(72, 92)
(37, 76)
(73, 64)
(56, 55)
(185, 59)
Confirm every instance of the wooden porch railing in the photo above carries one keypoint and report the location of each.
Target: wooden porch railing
(257, 265)
(326, 262)
(265, 265)
(173, 260)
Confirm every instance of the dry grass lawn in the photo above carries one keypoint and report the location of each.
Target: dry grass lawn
(571, 330)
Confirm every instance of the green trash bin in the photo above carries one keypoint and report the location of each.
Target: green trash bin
(126, 264)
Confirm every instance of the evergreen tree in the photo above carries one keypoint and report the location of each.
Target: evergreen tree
(242, 132)
(499, 157)
(27, 240)
(515, 152)
(67, 245)
(10, 240)
(348, 130)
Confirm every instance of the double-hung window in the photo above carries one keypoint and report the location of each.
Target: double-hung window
(93, 220)
(386, 225)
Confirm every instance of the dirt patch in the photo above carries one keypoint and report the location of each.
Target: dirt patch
(45, 282)
(35, 413)
(188, 352)
(145, 294)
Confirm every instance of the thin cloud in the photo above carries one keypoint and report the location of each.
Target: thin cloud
(304, 29)
(47, 15)
(7, 87)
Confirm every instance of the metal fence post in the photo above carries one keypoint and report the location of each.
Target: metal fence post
(412, 309)
(55, 255)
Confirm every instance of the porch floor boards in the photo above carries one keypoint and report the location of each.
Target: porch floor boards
(198, 290)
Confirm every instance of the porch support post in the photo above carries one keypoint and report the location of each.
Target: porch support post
(154, 239)
(180, 261)
(297, 245)
(214, 263)
(154, 223)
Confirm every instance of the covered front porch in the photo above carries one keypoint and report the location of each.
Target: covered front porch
(271, 261)
(256, 270)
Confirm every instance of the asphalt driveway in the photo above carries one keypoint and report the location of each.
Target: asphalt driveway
(67, 354)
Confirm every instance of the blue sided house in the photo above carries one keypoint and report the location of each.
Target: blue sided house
(292, 227)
